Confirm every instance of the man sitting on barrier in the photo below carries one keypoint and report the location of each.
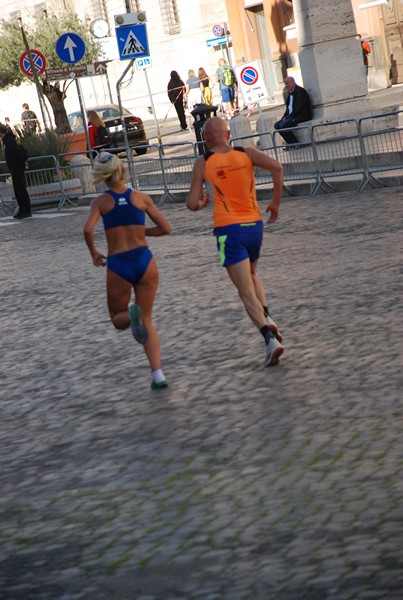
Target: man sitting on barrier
(298, 110)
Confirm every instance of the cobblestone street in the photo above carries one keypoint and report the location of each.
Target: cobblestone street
(237, 482)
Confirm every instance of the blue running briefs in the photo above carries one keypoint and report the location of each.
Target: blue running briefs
(130, 265)
(239, 241)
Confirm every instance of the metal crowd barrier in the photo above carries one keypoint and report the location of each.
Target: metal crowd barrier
(338, 150)
(300, 161)
(382, 146)
(345, 148)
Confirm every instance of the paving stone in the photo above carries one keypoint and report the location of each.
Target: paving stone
(236, 482)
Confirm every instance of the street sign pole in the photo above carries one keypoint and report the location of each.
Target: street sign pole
(226, 33)
(84, 115)
(109, 86)
(125, 138)
(153, 107)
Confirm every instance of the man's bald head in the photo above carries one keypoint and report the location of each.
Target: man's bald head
(289, 83)
(216, 132)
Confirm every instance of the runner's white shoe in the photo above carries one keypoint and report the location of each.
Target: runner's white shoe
(273, 352)
(274, 328)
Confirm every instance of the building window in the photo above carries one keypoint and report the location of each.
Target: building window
(14, 16)
(170, 16)
(39, 9)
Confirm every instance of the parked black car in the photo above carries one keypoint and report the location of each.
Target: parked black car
(110, 114)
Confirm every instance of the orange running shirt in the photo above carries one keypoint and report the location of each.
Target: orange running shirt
(233, 180)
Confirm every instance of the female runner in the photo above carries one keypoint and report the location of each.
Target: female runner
(130, 263)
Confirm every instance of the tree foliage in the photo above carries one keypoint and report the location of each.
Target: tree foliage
(43, 36)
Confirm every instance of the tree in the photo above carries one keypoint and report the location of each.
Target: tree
(43, 37)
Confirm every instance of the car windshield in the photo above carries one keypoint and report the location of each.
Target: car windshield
(105, 112)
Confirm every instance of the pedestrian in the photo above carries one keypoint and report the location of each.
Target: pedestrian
(194, 90)
(176, 92)
(130, 263)
(238, 225)
(207, 85)
(16, 158)
(29, 120)
(8, 124)
(298, 109)
(366, 49)
(226, 78)
(97, 131)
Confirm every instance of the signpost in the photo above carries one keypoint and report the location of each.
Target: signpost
(38, 60)
(74, 71)
(143, 63)
(70, 48)
(218, 30)
(250, 80)
(132, 41)
(34, 75)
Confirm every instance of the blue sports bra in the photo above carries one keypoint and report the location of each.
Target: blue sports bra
(124, 212)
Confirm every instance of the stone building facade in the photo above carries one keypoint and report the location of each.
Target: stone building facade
(181, 37)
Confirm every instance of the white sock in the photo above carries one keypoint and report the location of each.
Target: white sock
(158, 375)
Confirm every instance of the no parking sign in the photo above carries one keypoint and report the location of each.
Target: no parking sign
(38, 61)
(250, 80)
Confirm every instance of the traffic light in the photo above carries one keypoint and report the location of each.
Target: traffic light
(130, 19)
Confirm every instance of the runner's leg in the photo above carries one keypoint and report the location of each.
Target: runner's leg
(145, 292)
(241, 276)
(118, 293)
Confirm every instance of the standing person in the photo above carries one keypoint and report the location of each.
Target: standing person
(130, 263)
(97, 131)
(206, 83)
(298, 109)
(226, 78)
(238, 224)
(194, 90)
(366, 49)
(176, 91)
(29, 120)
(16, 158)
(8, 124)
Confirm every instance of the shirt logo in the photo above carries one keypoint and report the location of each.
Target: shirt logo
(122, 201)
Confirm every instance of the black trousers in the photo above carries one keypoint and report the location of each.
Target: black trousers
(284, 123)
(20, 190)
(180, 111)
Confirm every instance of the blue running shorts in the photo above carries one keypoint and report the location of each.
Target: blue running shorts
(227, 94)
(240, 241)
(130, 265)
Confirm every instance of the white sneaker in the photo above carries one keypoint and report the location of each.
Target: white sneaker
(274, 328)
(273, 352)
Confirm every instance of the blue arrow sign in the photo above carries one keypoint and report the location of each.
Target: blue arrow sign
(132, 41)
(70, 48)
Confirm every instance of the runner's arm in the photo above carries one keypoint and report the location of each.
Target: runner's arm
(197, 197)
(97, 257)
(162, 225)
(260, 159)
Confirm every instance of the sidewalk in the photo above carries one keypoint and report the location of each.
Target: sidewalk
(237, 482)
(381, 100)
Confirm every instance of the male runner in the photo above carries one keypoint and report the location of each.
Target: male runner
(238, 224)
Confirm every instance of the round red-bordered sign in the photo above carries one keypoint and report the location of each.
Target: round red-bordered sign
(218, 30)
(37, 58)
(249, 75)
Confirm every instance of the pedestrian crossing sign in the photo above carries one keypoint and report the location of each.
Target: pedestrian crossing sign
(132, 41)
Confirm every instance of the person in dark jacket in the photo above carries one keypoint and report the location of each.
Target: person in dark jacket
(298, 110)
(16, 159)
(176, 89)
